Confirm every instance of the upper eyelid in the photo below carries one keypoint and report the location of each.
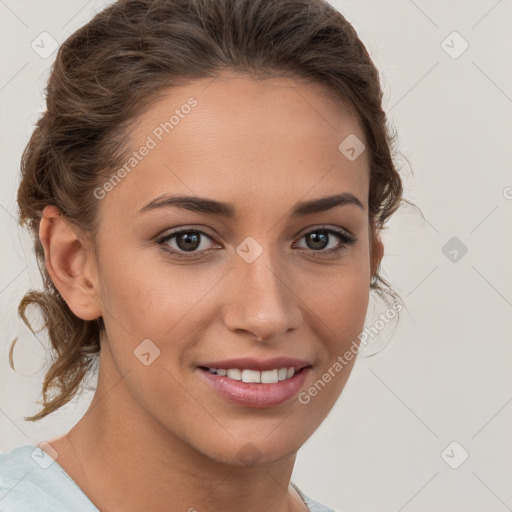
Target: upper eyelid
(204, 231)
(176, 231)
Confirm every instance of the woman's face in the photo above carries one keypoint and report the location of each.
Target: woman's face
(262, 283)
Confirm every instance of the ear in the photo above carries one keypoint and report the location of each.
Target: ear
(70, 263)
(377, 254)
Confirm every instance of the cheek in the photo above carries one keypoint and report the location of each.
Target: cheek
(339, 296)
(141, 292)
(145, 299)
(342, 313)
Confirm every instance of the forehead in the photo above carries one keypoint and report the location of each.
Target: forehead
(233, 137)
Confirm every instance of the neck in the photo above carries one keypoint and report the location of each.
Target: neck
(125, 461)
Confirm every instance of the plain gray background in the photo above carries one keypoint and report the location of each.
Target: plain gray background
(445, 376)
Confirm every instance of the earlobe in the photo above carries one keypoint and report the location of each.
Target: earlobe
(66, 258)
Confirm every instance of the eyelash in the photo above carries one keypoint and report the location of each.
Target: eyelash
(345, 241)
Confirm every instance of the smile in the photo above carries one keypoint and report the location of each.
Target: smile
(254, 388)
(254, 376)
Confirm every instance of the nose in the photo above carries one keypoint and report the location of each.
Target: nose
(261, 300)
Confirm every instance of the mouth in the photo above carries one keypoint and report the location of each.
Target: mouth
(254, 376)
(250, 387)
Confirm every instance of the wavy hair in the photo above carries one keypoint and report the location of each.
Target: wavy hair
(115, 66)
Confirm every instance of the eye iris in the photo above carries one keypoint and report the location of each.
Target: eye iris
(188, 238)
(316, 237)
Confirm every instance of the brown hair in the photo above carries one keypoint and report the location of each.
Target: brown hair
(115, 66)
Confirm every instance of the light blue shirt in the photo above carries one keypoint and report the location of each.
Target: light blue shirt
(31, 481)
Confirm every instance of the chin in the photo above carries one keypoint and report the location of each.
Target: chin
(253, 451)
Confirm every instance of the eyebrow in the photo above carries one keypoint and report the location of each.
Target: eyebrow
(212, 207)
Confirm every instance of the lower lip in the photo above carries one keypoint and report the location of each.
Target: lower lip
(253, 394)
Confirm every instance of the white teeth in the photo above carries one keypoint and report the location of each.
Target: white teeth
(269, 377)
(251, 376)
(234, 374)
(254, 376)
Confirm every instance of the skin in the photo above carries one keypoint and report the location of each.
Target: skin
(158, 435)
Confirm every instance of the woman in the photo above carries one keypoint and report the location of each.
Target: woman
(206, 190)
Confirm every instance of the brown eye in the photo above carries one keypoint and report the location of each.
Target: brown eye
(318, 240)
(187, 240)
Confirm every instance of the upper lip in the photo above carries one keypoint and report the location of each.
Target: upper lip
(248, 363)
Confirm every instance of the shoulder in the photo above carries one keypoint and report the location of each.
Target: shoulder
(313, 506)
(31, 480)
